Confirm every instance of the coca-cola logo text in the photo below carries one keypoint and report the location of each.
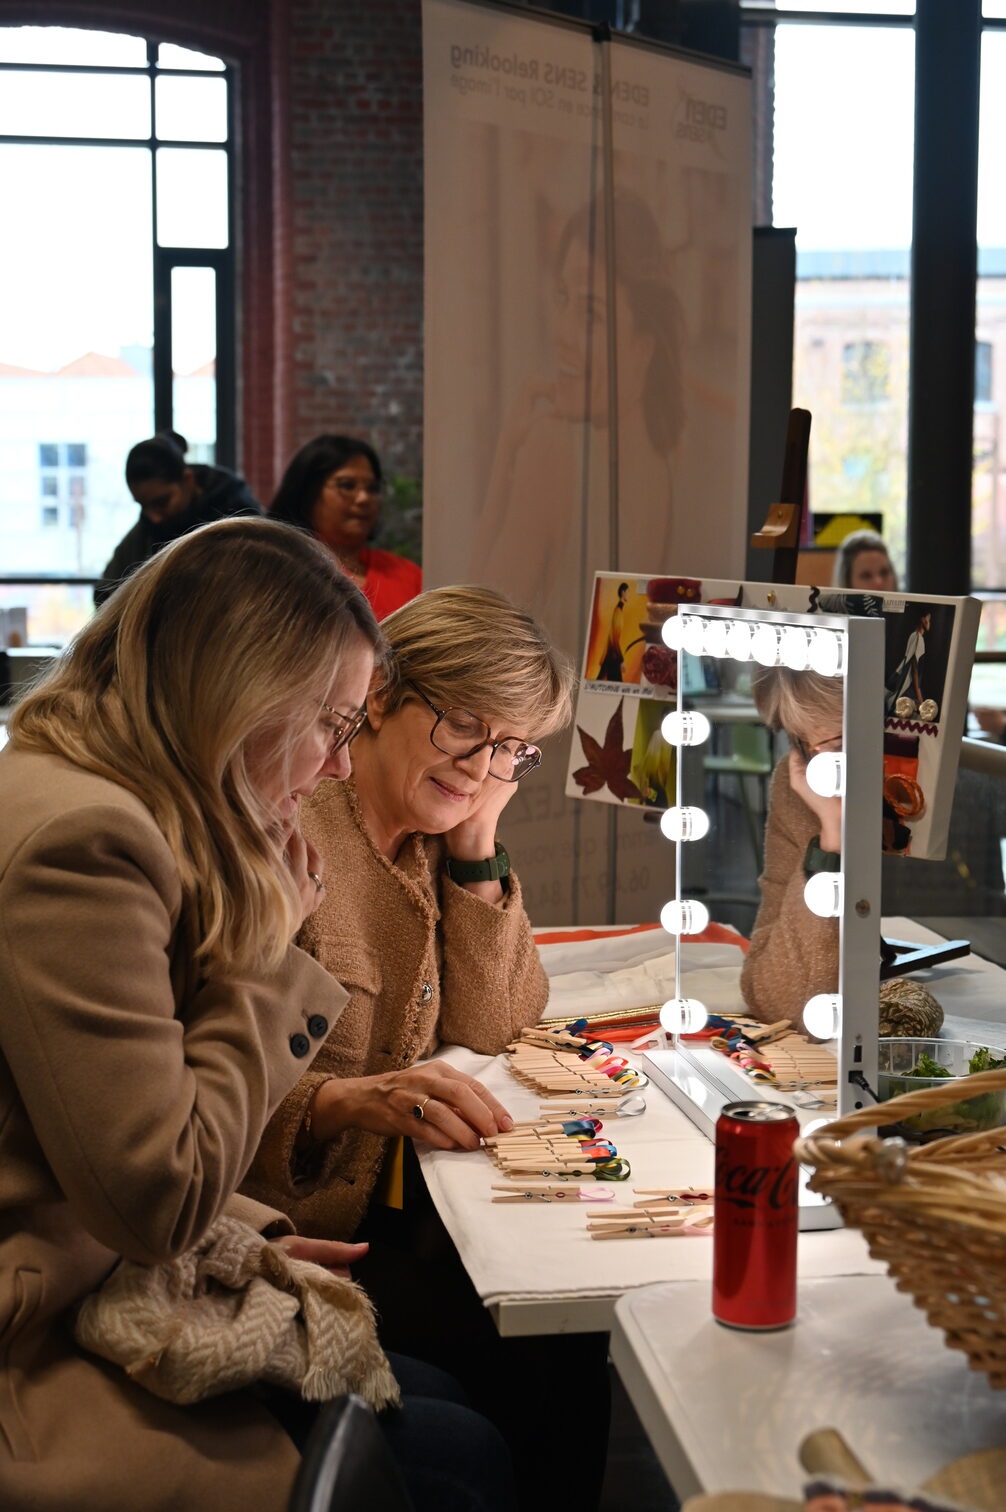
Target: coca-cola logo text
(744, 1185)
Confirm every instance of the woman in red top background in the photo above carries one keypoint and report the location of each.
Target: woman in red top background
(332, 487)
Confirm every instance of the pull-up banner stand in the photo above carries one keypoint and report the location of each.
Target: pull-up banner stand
(588, 264)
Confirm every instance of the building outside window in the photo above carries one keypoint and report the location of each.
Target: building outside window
(127, 140)
(838, 96)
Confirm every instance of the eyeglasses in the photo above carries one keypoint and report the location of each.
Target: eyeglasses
(458, 733)
(346, 726)
(807, 749)
(350, 487)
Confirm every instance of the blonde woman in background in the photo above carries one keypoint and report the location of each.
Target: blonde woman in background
(862, 562)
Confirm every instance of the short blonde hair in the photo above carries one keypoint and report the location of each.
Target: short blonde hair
(231, 635)
(471, 648)
(786, 700)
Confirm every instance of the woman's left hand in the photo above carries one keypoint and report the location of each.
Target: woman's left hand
(330, 1253)
(474, 838)
(827, 810)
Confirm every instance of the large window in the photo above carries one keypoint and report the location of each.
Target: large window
(116, 291)
(834, 81)
(842, 175)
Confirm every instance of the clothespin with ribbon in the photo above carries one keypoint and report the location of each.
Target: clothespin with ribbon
(549, 1191)
(687, 1196)
(682, 1226)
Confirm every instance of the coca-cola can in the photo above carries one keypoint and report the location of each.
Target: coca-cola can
(755, 1216)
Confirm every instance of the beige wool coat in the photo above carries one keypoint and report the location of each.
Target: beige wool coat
(132, 1098)
(793, 953)
(425, 962)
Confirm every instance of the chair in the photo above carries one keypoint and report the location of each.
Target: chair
(750, 756)
(347, 1465)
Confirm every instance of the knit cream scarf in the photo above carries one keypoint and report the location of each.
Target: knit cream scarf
(232, 1311)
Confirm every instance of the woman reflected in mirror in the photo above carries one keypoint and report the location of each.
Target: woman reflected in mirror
(794, 952)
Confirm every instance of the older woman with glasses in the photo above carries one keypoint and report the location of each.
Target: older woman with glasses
(422, 918)
(333, 487)
(794, 953)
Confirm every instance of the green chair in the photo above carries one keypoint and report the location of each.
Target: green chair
(750, 756)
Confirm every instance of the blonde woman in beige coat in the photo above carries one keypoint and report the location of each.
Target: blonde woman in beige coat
(153, 1012)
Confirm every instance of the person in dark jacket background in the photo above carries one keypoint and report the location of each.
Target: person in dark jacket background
(174, 498)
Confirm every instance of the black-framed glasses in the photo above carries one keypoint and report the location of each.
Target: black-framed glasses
(347, 726)
(458, 733)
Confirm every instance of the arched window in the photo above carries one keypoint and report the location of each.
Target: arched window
(116, 290)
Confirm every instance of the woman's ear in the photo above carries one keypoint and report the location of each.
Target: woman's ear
(377, 707)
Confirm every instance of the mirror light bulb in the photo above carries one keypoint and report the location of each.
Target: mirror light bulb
(822, 1014)
(716, 638)
(827, 652)
(823, 894)
(826, 774)
(693, 637)
(684, 823)
(794, 648)
(672, 631)
(765, 645)
(683, 1016)
(685, 727)
(739, 640)
(684, 916)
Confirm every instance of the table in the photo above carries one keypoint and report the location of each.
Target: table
(727, 1410)
(533, 1264)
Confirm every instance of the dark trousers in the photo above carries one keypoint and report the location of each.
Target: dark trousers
(547, 1395)
(451, 1458)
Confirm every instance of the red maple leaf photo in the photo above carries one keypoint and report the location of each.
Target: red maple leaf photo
(607, 764)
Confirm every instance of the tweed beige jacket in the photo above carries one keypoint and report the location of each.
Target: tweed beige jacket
(793, 954)
(132, 1098)
(425, 962)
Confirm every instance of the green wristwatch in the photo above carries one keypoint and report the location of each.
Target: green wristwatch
(817, 860)
(494, 869)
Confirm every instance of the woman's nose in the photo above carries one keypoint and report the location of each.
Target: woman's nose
(339, 764)
(476, 765)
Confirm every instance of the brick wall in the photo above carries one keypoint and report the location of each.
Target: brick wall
(331, 222)
(355, 224)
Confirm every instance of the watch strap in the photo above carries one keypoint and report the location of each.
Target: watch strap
(493, 869)
(817, 860)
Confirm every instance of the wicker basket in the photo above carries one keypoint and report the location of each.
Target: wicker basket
(935, 1213)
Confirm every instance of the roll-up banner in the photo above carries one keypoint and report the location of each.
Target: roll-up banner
(587, 361)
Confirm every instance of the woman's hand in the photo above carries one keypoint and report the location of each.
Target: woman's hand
(827, 810)
(458, 1111)
(305, 866)
(475, 837)
(331, 1253)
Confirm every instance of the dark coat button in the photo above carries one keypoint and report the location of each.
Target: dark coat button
(426, 996)
(300, 1045)
(317, 1026)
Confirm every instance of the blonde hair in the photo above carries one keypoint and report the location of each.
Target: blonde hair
(471, 648)
(786, 700)
(854, 543)
(231, 635)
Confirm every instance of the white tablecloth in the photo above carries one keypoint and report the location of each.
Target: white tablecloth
(541, 1252)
